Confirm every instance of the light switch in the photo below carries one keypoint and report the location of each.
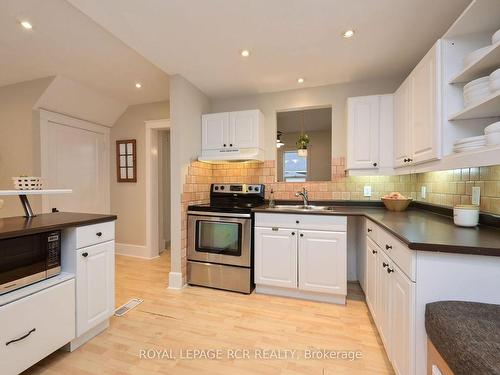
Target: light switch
(423, 192)
(476, 195)
(367, 191)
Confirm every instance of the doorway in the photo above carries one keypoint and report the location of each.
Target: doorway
(157, 156)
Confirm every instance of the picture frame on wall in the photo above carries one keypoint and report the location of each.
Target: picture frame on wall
(126, 160)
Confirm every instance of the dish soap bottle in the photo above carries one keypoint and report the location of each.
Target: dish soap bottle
(272, 203)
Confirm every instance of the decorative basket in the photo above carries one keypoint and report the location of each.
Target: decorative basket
(27, 183)
(397, 204)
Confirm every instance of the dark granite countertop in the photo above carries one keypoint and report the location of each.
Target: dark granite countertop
(19, 226)
(419, 229)
(466, 335)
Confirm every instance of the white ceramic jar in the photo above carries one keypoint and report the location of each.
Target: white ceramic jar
(466, 215)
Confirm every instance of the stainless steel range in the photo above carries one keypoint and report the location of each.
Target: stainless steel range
(220, 245)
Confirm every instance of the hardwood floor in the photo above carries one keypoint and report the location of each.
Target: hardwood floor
(172, 321)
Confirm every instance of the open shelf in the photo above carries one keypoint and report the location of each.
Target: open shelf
(35, 192)
(485, 10)
(488, 107)
(480, 68)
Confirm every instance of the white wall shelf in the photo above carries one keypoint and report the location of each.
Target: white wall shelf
(35, 192)
(489, 107)
(485, 10)
(480, 68)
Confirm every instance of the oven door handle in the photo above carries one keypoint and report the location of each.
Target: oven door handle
(219, 214)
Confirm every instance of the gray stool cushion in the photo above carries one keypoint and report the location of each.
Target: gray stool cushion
(466, 334)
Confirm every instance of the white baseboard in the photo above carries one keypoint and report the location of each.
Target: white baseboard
(135, 251)
(296, 293)
(175, 280)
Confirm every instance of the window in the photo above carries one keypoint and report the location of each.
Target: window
(294, 167)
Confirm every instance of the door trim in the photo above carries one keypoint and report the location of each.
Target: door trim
(47, 117)
(152, 194)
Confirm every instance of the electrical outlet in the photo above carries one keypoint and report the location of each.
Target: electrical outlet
(1, 203)
(476, 195)
(367, 191)
(423, 192)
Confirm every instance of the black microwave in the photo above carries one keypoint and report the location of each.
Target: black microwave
(28, 259)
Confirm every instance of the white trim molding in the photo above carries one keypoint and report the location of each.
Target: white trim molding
(175, 280)
(134, 251)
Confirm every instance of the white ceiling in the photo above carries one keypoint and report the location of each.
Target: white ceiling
(287, 38)
(66, 42)
(308, 120)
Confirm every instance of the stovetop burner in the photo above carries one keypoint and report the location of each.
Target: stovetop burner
(237, 198)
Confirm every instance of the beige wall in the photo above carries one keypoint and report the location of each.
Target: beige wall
(187, 104)
(128, 200)
(19, 138)
(319, 154)
(330, 95)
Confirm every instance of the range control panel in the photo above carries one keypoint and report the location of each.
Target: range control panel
(237, 188)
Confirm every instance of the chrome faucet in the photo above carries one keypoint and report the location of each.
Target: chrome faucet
(304, 195)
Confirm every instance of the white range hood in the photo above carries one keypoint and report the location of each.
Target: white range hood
(232, 155)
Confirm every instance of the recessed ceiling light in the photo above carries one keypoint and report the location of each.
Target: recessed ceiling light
(300, 80)
(245, 53)
(26, 25)
(348, 34)
(138, 85)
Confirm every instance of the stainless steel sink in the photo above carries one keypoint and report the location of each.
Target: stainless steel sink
(300, 207)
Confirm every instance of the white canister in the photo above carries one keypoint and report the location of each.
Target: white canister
(466, 215)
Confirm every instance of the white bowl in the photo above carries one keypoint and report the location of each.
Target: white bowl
(495, 74)
(477, 94)
(492, 128)
(477, 83)
(466, 215)
(496, 37)
(476, 55)
(493, 138)
(494, 85)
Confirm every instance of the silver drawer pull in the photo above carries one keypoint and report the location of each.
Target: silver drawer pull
(20, 338)
(275, 229)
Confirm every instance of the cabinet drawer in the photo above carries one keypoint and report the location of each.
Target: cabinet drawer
(399, 253)
(46, 319)
(298, 221)
(372, 230)
(94, 234)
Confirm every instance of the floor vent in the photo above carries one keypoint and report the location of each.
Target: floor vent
(123, 309)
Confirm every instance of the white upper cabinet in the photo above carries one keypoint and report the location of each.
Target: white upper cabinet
(244, 129)
(215, 131)
(228, 133)
(369, 130)
(424, 124)
(402, 134)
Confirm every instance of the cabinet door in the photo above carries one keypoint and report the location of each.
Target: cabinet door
(95, 279)
(425, 130)
(323, 262)
(276, 257)
(244, 129)
(402, 322)
(215, 131)
(371, 273)
(383, 296)
(363, 132)
(402, 125)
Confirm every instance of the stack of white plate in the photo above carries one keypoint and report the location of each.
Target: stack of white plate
(469, 144)
(496, 37)
(476, 90)
(495, 81)
(476, 55)
(492, 134)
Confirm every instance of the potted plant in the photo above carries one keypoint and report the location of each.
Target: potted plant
(301, 144)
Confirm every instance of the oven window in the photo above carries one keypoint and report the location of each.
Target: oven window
(218, 237)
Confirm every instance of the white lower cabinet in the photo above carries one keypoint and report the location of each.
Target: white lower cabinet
(95, 285)
(276, 257)
(35, 326)
(390, 296)
(322, 261)
(301, 262)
